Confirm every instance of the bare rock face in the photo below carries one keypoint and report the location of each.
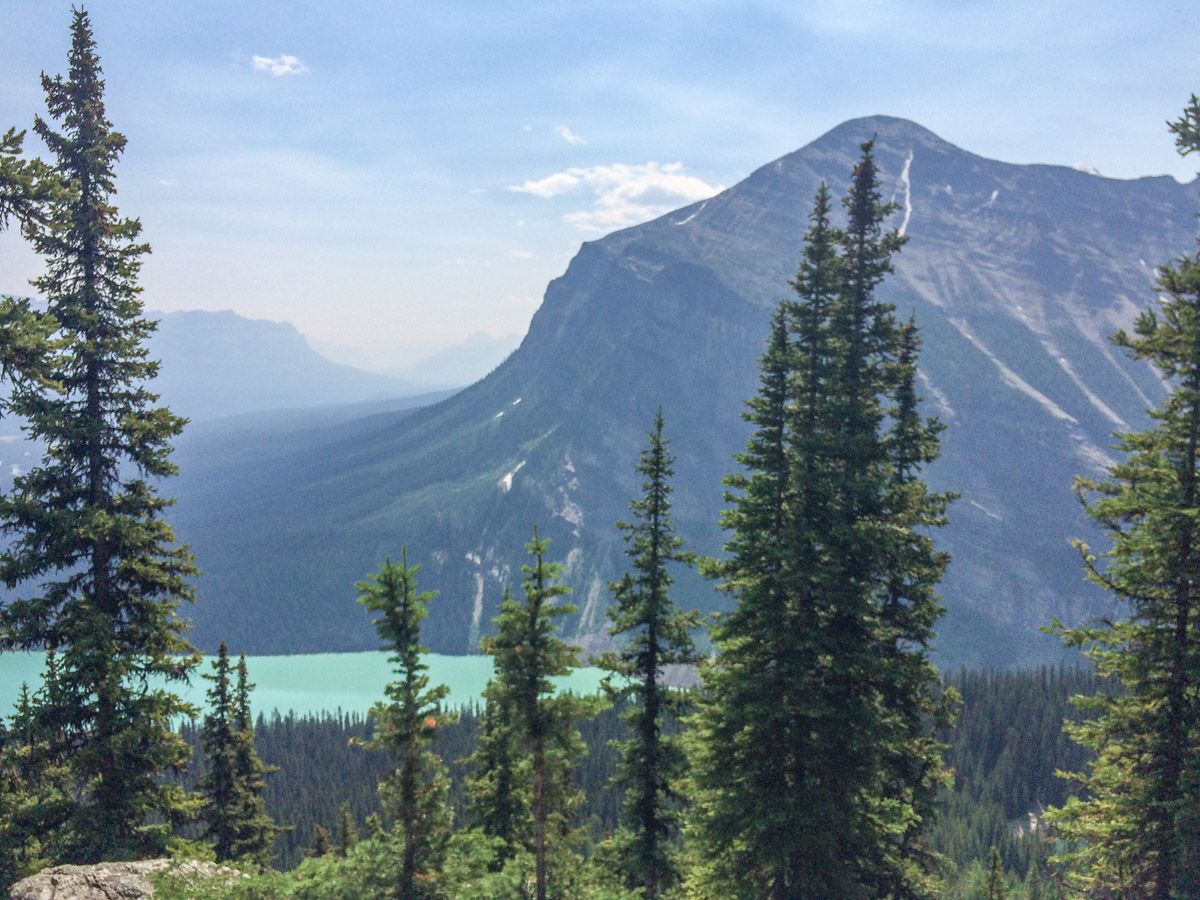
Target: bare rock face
(109, 881)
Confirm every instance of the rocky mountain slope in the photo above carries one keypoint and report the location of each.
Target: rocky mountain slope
(1016, 276)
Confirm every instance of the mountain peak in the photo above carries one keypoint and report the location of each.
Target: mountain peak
(886, 127)
(892, 135)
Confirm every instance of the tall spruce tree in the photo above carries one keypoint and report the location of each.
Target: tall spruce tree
(527, 653)
(254, 836)
(220, 783)
(234, 781)
(91, 562)
(657, 634)
(1135, 831)
(498, 786)
(821, 705)
(415, 794)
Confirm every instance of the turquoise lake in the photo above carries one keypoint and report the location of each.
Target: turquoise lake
(314, 682)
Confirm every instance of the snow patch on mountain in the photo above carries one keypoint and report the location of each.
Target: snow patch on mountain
(1095, 458)
(987, 512)
(699, 210)
(476, 614)
(942, 402)
(591, 606)
(1099, 405)
(907, 183)
(506, 482)
(1011, 378)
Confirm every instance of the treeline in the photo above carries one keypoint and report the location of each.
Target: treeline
(323, 766)
(1005, 748)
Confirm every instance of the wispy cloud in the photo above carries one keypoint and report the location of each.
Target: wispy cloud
(568, 135)
(522, 254)
(623, 194)
(278, 66)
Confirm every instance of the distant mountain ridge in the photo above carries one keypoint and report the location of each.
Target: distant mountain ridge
(217, 364)
(1016, 275)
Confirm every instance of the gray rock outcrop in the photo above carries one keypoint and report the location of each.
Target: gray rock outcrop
(109, 881)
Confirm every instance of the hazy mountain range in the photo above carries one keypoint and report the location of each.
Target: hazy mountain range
(221, 364)
(428, 367)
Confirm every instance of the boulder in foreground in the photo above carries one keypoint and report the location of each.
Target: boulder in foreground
(110, 881)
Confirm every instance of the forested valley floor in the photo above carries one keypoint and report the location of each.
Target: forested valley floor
(1005, 748)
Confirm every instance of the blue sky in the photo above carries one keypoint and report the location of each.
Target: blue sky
(397, 176)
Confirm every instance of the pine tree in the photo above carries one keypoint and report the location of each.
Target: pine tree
(35, 795)
(322, 843)
(347, 830)
(499, 784)
(218, 735)
(254, 830)
(821, 700)
(415, 794)
(994, 889)
(93, 563)
(1136, 831)
(234, 782)
(653, 761)
(527, 654)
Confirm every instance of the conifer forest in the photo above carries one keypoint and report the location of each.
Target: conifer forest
(803, 742)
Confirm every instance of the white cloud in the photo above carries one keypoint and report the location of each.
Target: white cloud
(624, 194)
(551, 185)
(283, 64)
(568, 135)
(522, 254)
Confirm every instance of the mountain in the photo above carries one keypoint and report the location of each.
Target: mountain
(436, 366)
(463, 363)
(220, 364)
(1016, 275)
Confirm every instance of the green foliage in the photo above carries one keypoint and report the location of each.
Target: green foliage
(1136, 832)
(415, 794)
(821, 704)
(527, 654)
(1005, 750)
(35, 798)
(89, 558)
(219, 786)
(500, 784)
(25, 185)
(26, 348)
(347, 835)
(994, 888)
(235, 778)
(657, 635)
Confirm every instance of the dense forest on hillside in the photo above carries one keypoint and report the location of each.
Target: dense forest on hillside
(1005, 748)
